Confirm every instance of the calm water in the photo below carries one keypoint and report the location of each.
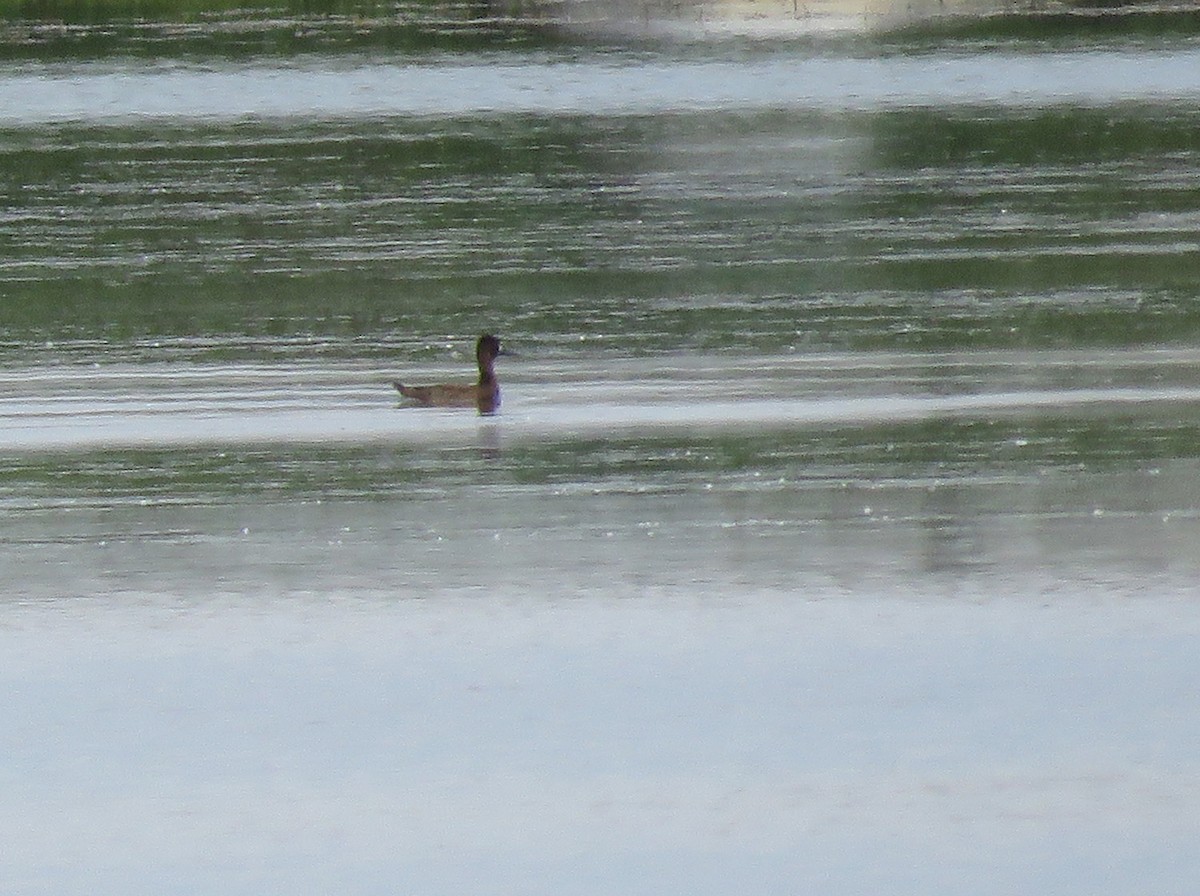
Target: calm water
(904, 327)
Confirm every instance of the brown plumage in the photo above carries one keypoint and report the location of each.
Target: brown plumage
(483, 395)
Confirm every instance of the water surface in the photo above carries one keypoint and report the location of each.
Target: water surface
(845, 480)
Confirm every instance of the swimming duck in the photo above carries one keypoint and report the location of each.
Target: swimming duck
(484, 395)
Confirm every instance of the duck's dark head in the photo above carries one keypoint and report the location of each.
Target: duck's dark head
(488, 347)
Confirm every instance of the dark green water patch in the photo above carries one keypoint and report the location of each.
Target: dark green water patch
(57, 31)
(774, 460)
(1074, 25)
(738, 233)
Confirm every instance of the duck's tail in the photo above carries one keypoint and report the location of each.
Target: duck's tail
(419, 394)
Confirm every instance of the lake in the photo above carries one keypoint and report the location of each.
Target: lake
(839, 530)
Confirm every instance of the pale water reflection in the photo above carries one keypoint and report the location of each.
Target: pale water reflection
(629, 84)
(187, 405)
(504, 743)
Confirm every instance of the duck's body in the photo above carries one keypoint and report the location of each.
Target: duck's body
(483, 395)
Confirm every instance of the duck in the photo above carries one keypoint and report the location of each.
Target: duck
(483, 395)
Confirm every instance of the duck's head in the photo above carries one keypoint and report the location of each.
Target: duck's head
(487, 348)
